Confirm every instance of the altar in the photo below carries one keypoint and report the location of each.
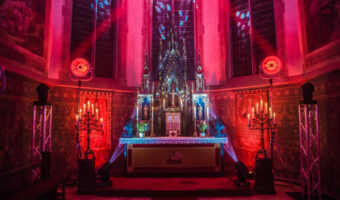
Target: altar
(172, 116)
(173, 155)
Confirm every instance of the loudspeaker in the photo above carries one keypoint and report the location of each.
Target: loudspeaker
(307, 92)
(86, 176)
(42, 91)
(264, 180)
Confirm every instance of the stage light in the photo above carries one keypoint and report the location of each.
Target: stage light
(307, 92)
(271, 66)
(42, 91)
(104, 175)
(80, 70)
(242, 175)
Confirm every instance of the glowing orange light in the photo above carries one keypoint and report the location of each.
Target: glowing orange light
(80, 67)
(271, 65)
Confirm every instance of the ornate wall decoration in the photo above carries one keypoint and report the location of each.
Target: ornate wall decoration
(23, 23)
(246, 100)
(321, 15)
(100, 140)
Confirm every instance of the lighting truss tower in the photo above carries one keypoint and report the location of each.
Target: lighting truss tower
(41, 138)
(309, 150)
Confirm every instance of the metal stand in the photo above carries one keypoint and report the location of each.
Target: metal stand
(270, 130)
(42, 134)
(79, 149)
(309, 150)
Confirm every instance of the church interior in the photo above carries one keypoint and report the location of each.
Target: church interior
(165, 99)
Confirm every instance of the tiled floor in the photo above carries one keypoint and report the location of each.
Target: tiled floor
(280, 188)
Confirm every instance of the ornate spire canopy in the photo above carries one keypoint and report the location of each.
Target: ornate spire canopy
(146, 66)
(199, 66)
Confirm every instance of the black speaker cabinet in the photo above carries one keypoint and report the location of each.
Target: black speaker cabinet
(86, 176)
(264, 180)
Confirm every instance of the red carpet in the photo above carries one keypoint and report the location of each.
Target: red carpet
(173, 186)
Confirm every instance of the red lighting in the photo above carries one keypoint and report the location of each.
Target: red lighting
(100, 139)
(80, 67)
(271, 65)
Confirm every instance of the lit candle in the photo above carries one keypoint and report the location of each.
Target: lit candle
(96, 113)
(265, 107)
(88, 106)
(80, 113)
(274, 119)
(248, 119)
(92, 109)
(257, 107)
(84, 107)
(253, 113)
(77, 119)
(270, 112)
(101, 121)
(261, 106)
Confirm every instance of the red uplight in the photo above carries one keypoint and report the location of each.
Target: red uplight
(271, 65)
(80, 67)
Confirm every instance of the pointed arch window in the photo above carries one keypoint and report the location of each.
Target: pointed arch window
(184, 31)
(102, 52)
(253, 35)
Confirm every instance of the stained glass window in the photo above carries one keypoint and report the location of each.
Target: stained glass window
(252, 33)
(82, 33)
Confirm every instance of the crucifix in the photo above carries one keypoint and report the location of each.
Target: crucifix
(172, 97)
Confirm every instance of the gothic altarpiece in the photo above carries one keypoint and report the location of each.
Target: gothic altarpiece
(173, 106)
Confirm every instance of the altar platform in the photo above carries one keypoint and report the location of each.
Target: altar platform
(173, 187)
(173, 154)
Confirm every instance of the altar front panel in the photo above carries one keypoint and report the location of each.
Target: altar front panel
(173, 158)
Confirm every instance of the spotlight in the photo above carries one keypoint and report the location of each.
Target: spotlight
(104, 175)
(307, 92)
(242, 175)
(42, 91)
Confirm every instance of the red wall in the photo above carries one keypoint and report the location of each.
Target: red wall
(16, 107)
(231, 105)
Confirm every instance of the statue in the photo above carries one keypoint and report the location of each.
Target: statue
(200, 112)
(173, 103)
(145, 112)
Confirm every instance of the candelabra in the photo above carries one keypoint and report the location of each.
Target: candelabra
(262, 119)
(88, 120)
